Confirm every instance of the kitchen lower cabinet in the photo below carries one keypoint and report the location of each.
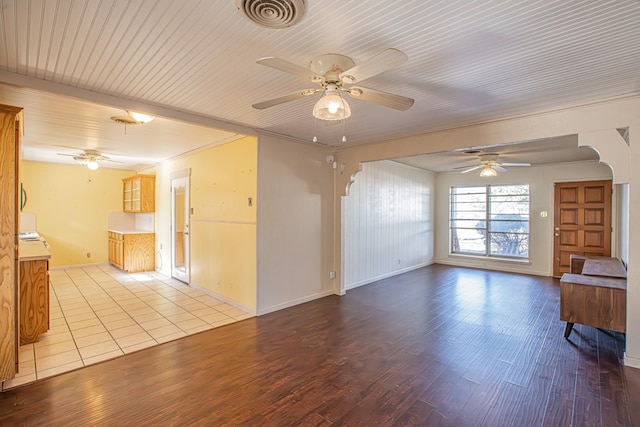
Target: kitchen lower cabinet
(34, 300)
(116, 249)
(132, 252)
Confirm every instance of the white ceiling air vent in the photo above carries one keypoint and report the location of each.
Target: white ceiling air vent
(272, 13)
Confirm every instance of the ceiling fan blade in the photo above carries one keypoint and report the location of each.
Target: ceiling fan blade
(471, 169)
(499, 168)
(289, 67)
(516, 164)
(390, 100)
(286, 98)
(385, 60)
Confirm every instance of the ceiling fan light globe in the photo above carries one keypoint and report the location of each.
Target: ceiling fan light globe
(488, 171)
(331, 107)
(140, 117)
(92, 165)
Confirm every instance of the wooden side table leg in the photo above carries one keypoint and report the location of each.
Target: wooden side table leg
(568, 329)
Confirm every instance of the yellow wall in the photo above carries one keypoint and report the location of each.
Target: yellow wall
(222, 226)
(71, 205)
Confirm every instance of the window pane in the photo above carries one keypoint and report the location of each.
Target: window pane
(509, 244)
(469, 215)
(509, 223)
(470, 241)
(474, 223)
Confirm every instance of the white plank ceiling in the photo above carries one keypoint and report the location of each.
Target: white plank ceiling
(195, 60)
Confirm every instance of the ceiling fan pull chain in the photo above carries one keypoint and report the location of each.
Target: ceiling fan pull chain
(315, 129)
(344, 129)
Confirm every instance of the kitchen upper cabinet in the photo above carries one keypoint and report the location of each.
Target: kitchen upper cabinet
(139, 193)
(10, 118)
(132, 252)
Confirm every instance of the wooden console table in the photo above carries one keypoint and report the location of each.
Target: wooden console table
(597, 297)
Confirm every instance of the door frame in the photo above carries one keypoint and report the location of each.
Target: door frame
(181, 178)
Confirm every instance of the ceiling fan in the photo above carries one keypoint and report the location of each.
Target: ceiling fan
(335, 74)
(490, 165)
(89, 158)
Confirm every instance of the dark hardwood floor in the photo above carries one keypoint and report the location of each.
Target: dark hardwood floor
(437, 346)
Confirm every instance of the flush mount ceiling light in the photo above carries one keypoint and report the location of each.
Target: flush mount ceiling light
(331, 106)
(133, 118)
(140, 118)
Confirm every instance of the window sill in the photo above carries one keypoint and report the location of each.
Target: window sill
(492, 258)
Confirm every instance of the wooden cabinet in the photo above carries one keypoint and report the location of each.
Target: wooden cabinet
(139, 193)
(10, 119)
(34, 299)
(132, 252)
(116, 249)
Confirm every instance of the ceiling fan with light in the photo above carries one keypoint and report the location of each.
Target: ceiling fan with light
(336, 74)
(90, 159)
(490, 165)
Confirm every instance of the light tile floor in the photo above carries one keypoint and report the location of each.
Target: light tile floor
(100, 312)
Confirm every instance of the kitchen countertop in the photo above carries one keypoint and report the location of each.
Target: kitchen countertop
(131, 231)
(33, 250)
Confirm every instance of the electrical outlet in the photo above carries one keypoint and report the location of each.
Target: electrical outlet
(332, 275)
(88, 254)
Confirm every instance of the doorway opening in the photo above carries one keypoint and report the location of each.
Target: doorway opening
(180, 228)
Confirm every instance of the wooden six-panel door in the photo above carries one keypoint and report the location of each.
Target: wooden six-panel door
(582, 221)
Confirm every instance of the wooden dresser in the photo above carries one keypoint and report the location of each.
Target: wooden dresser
(597, 296)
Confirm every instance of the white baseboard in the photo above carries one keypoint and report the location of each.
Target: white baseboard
(632, 362)
(291, 303)
(386, 275)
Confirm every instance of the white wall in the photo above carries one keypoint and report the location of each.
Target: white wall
(540, 180)
(295, 223)
(621, 230)
(387, 222)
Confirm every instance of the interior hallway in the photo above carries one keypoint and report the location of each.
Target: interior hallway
(100, 312)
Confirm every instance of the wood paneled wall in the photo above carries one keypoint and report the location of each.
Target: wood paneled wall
(387, 222)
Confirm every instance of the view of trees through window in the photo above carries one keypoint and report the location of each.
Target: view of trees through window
(490, 220)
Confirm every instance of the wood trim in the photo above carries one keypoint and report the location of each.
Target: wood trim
(9, 217)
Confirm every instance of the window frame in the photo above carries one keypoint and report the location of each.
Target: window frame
(486, 231)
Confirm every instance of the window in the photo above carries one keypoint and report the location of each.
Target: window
(490, 220)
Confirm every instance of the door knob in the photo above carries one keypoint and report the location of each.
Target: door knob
(557, 234)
